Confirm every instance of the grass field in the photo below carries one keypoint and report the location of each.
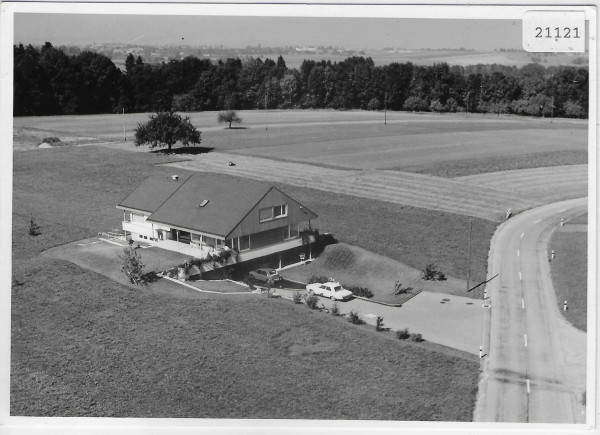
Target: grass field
(85, 345)
(352, 139)
(569, 269)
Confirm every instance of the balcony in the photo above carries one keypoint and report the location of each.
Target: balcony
(272, 249)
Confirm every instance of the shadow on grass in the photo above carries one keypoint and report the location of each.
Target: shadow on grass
(184, 150)
(236, 128)
(149, 278)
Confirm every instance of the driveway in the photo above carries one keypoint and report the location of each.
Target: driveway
(456, 323)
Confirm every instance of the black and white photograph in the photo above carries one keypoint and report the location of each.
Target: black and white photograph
(262, 217)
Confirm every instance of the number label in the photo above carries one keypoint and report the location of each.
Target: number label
(565, 32)
(554, 31)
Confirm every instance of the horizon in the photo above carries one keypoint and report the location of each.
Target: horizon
(240, 32)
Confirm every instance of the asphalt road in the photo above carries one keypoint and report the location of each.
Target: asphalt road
(534, 363)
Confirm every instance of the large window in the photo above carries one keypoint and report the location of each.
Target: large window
(270, 213)
(293, 231)
(244, 243)
(127, 216)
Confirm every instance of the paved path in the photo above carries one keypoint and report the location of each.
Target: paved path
(535, 367)
(455, 323)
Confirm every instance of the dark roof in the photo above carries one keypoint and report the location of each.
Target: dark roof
(229, 200)
(152, 193)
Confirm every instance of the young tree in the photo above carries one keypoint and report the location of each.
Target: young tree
(166, 128)
(229, 117)
(34, 228)
(132, 265)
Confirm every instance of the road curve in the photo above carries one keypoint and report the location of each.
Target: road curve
(534, 363)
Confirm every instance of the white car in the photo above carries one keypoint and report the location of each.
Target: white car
(331, 290)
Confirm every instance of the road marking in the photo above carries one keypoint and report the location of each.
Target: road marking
(520, 277)
(522, 303)
(525, 337)
(518, 252)
(538, 221)
(522, 234)
(560, 211)
(528, 388)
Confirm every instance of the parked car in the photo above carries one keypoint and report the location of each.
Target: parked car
(331, 290)
(265, 275)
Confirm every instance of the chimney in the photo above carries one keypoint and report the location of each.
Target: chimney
(175, 177)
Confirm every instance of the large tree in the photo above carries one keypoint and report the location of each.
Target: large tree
(166, 128)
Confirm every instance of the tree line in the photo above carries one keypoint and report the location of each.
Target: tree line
(47, 81)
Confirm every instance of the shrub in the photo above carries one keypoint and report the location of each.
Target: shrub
(402, 334)
(335, 309)
(398, 290)
(360, 291)
(320, 279)
(430, 273)
(132, 265)
(297, 298)
(51, 140)
(355, 319)
(34, 228)
(416, 338)
(312, 301)
(379, 325)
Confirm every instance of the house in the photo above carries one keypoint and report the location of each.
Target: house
(197, 215)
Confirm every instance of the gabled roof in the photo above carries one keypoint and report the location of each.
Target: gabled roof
(152, 193)
(205, 204)
(229, 200)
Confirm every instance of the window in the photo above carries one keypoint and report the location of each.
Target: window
(127, 216)
(137, 218)
(210, 241)
(280, 210)
(269, 213)
(293, 231)
(196, 238)
(219, 243)
(265, 214)
(244, 243)
(232, 243)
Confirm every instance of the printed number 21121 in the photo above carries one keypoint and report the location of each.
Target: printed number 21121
(557, 32)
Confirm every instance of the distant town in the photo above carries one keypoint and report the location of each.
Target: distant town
(118, 52)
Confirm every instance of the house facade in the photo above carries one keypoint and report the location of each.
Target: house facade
(199, 215)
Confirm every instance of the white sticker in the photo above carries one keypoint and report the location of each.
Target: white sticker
(554, 32)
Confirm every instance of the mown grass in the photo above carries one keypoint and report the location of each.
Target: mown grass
(499, 163)
(569, 274)
(85, 345)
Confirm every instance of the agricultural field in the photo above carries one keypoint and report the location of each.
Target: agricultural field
(86, 345)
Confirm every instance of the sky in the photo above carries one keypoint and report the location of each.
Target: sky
(239, 32)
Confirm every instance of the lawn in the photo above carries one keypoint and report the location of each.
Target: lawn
(354, 266)
(85, 345)
(569, 269)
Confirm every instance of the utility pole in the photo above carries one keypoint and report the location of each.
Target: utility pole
(124, 135)
(469, 258)
(266, 100)
(385, 109)
(468, 104)
(552, 111)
